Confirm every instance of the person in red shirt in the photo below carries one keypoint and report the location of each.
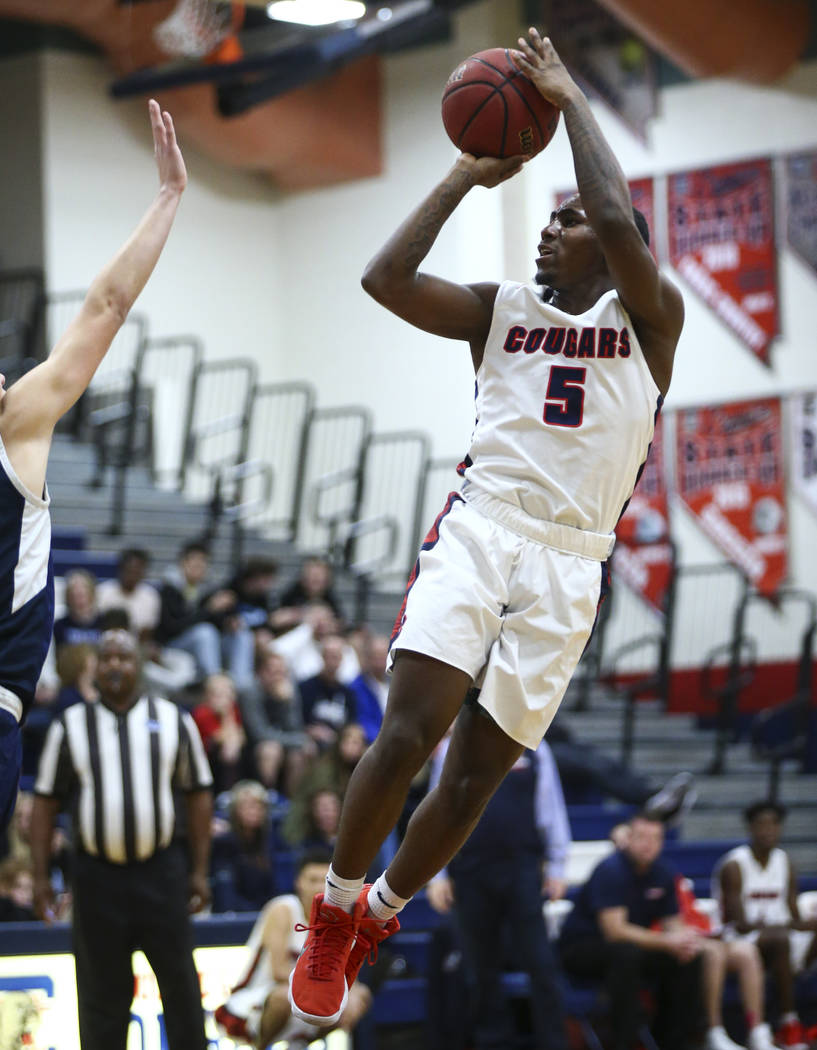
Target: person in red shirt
(218, 720)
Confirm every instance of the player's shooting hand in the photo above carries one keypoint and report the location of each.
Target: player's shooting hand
(169, 160)
(489, 171)
(538, 60)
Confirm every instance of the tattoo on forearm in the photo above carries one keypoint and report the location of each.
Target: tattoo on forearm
(431, 217)
(598, 174)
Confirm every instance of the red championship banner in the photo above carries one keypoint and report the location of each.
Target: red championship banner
(643, 556)
(801, 206)
(642, 192)
(721, 240)
(729, 471)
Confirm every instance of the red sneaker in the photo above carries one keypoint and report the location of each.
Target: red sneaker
(317, 984)
(370, 933)
(791, 1036)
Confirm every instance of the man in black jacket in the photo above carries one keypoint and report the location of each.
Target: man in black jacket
(204, 623)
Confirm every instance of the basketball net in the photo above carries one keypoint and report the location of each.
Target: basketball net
(197, 28)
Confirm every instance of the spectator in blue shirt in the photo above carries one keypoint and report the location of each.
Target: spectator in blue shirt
(607, 935)
(371, 687)
(515, 855)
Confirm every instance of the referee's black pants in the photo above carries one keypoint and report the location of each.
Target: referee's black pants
(120, 909)
(625, 969)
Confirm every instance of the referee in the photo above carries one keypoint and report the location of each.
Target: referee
(117, 763)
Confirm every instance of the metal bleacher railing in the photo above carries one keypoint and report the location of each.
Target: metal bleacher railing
(21, 310)
(708, 644)
(265, 456)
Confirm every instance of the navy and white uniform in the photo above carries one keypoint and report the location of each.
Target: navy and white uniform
(509, 578)
(26, 614)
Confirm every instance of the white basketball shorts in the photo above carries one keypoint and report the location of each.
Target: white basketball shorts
(799, 943)
(509, 599)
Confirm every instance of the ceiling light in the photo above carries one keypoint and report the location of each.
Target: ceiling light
(316, 12)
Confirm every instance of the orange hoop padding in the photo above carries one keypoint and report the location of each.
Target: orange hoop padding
(230, 49)
(756, 40)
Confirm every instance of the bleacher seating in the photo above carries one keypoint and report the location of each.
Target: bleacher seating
(101, 564)
(66, 539)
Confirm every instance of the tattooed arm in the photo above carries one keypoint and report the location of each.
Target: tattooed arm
(456, 311)
(653, 302)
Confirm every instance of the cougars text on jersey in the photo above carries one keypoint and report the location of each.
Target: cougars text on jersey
(570, 342)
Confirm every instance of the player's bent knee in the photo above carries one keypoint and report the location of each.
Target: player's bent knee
(465, 796)
(402, 747)
(743, 952)
(774, 941)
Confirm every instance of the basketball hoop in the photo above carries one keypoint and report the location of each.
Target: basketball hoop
(196, 28)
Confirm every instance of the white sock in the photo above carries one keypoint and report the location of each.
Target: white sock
(342, 893)
(383, 901)
(789, 1018)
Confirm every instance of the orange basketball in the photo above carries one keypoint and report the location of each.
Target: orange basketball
(491, 109)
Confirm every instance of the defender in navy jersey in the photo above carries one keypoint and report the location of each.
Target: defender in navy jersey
(505, 590)
(29, 410)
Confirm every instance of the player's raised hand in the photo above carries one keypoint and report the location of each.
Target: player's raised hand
(538, 60)
(489, 171)
(169, 160)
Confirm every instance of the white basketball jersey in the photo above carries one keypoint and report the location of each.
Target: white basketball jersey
(764, 891)
(565, 407)
(257, 980)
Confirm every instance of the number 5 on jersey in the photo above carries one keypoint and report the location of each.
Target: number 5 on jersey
(564, 400)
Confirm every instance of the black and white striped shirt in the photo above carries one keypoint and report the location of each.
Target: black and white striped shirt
(120, 771)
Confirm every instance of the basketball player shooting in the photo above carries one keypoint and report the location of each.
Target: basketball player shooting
(29, 411)
(504, 594)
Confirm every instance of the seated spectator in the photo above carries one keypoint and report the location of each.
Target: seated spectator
(581, 766)
(253, 587)
(371, 687)
(81, 620)
(219, 723)
(271, 708)
(608, 935)
(16, 891)
(756, 887)
(202, 624)
(18, 847)
(243, 854)
(314, 584)
(327, 703)
(332, 771)
(76, 668)
(129, 591)
(719, 958)
(300, 646)
(323, 821)
(257, 1012)
(15, 841)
